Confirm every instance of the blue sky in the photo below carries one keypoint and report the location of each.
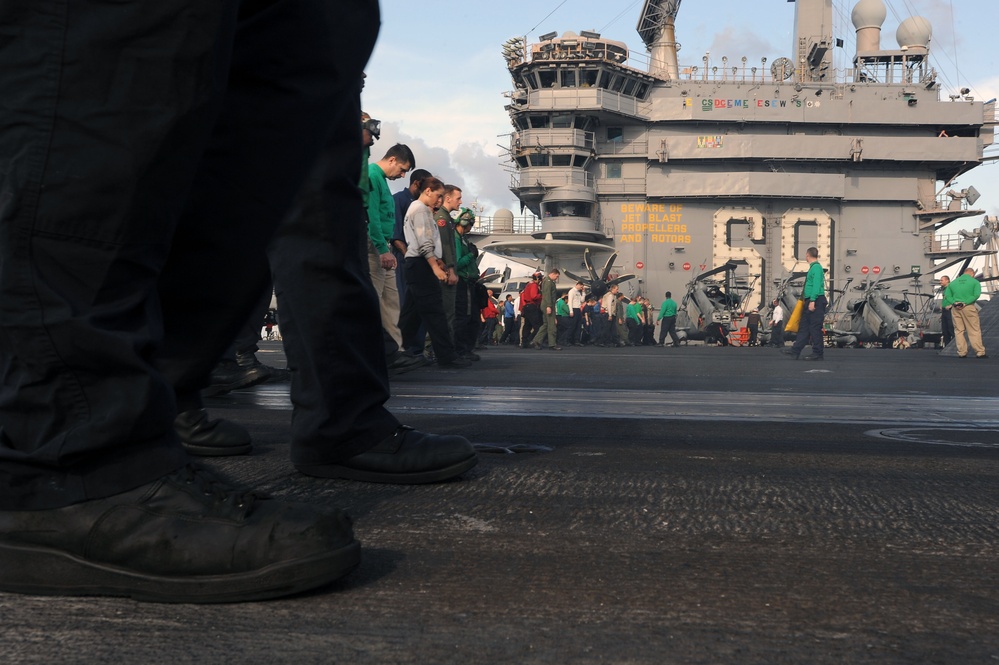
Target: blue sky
(437, 77)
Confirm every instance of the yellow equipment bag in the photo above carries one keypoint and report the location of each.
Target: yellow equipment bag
(795, 318)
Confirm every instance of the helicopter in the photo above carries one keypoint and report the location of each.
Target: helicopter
(879, 319)
(787, 293)
(599, 283)
(875, 318)
(714, 302)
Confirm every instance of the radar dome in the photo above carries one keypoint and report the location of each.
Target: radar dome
(914, 31)
(503, 221)
(869, 14)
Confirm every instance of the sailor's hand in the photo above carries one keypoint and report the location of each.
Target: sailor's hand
(811, 306)
(387, 260)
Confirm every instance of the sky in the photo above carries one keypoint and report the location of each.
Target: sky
(437, 76)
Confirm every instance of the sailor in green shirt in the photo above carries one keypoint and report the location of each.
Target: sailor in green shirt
(562, 320)
(813, 316)
(445, 225)
(667, 314)
(960, 297)
(561, 307)
(635, 321)
(466, 312)
(382, 263)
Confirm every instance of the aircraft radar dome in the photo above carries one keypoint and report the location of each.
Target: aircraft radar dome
(869, 14)
(914, 31)
(503, 221)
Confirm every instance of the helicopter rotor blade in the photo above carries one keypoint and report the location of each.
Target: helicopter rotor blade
(589, 265)
(608, 266)
(714, 271)
(618, 280)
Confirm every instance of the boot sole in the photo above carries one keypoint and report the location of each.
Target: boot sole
(413, 478)
(216, 451)
(252, 379)
(45, 571)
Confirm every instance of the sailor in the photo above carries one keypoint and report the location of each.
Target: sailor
(445, 225)
(549, 326)
(960, 298)
(777, 325)
(467, 303)
(574, 326)
(402, 199)
(530, 309)
(608, 310)
(425, 274)
(667, 314)
(635, 321)
(946, 318)
(753, 323)
(814, 294)
(382, 263)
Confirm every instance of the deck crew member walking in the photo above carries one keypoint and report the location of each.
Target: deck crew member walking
(814, 295)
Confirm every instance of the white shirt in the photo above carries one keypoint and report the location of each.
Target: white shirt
(608, 305)
(422, 236)
(575, 298)
(778, 314)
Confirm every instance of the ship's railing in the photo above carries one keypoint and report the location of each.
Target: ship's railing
(867, 72)
(525, 224)
(744, 73)
(639, 147)
(574, 99)
(550, 177)
(622, 186)
(527, 139)
(949, 243)
(946, 201)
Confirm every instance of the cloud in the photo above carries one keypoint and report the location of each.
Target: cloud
(478, 172)
(737, 42)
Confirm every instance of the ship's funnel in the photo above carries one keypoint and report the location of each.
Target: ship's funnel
(657, 27)
(868, 16)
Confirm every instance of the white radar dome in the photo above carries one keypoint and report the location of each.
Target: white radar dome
(869, 14)
(914, 31)
(503, 221)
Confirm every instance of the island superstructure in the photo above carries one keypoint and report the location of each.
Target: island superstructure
(681, 168)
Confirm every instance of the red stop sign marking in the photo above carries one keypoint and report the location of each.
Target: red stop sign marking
(864, 270)
(639, 265)
(876, 270)
(686, 266)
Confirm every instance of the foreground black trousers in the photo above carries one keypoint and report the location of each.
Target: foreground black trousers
(330, 316)
(147, 152)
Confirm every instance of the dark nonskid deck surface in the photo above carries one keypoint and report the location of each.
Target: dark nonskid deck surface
(637, 505)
